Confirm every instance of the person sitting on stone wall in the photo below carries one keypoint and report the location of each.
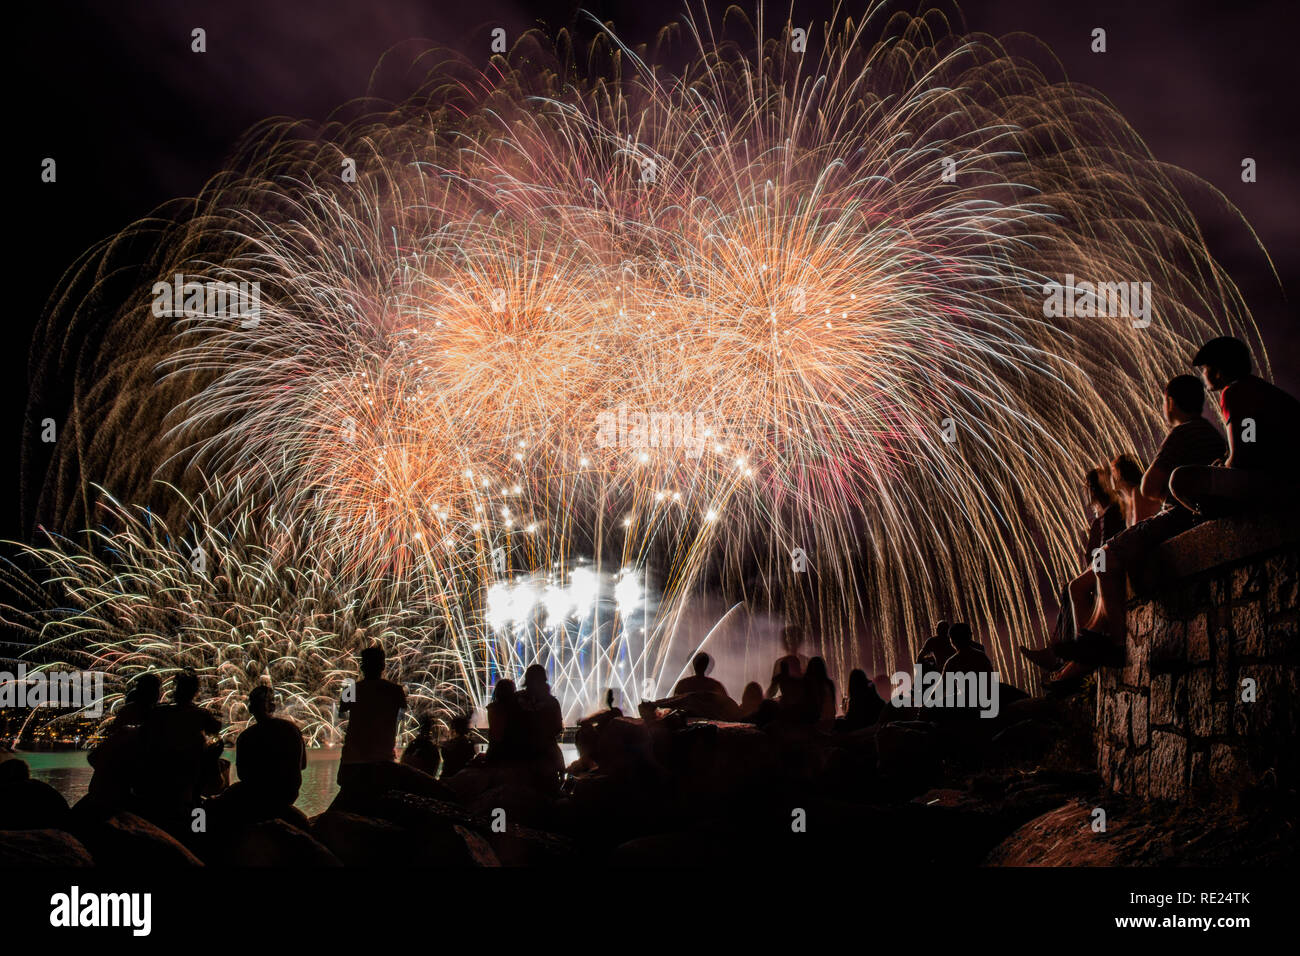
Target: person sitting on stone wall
(1192, 440)
(1262, 470)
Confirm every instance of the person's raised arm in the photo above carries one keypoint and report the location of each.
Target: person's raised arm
(1155, 482)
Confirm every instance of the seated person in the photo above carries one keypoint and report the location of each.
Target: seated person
(1262, 470)
(935, 650)
(458, 749)
(269, 757)
(1192, 440)
(422, 752)
(698, 683)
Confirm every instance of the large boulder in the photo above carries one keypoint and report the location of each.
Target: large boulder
(32, 805)
(274, 843)
(30, 849)
(365, 841)
(125, 839)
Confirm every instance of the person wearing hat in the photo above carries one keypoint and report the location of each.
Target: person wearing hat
(1262, 469)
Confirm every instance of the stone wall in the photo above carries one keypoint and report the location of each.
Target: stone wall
(1216, 606)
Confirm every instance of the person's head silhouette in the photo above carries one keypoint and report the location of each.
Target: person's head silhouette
(1184, 399)
(817, 671)
(960, 635)
(261, 702)
(701, 664)
(941, 630)
(460, 725)
(372, 662)
(1222, 361)
(504, 691)
(535, 680)
(147, 690)
(185, 687)
(859, 685)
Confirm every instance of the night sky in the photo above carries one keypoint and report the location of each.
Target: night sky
(134, 118)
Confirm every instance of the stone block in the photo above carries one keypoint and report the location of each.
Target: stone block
(1248, 630)
(1168, 646)
(1168, 765)
(1198, 640)
(1200, 712)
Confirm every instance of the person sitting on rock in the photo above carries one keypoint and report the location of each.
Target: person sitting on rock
(699, 683)
(936, 650)
(373, 706)
(422, 752)
(458, 749)
(1262, 470)
(863, 707)
(117, 760)
(270, 756)
(790, 665)
(177, 753)
(1192, 440)
(589, 731)
(819, 702)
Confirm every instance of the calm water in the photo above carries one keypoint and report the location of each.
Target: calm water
(68, 772)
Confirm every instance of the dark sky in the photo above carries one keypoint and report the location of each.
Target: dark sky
(134, 118)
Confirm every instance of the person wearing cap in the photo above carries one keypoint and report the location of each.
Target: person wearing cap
(1262, 469)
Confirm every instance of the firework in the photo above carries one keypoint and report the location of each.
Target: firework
(770, 326)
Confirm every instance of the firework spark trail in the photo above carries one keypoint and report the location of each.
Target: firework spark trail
(762, 240)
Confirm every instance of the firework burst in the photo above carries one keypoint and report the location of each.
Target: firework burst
(835, 259)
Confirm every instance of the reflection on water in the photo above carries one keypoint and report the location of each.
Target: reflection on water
(68, 772)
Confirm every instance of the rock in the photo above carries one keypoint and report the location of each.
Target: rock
(33, 805)
(364, 841)
(274, 843)
(34, 849)
(125, 839)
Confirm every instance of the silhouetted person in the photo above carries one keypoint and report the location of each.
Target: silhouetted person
(545, 722)
(789, 693)
(589, 731)
(1126, 479)
(422, 752)
(1262, 470)
(698, 683)
(751, 699)
(1107, 520)
(507, 733)
(373, 706)
(790, 665)
(458, 749)
(936, 649)
(117, 761)
(27, 804)
(864, 704)
(968, 657)
(177, 754)
(270, 756)
(1100, 628)
(819, 693)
